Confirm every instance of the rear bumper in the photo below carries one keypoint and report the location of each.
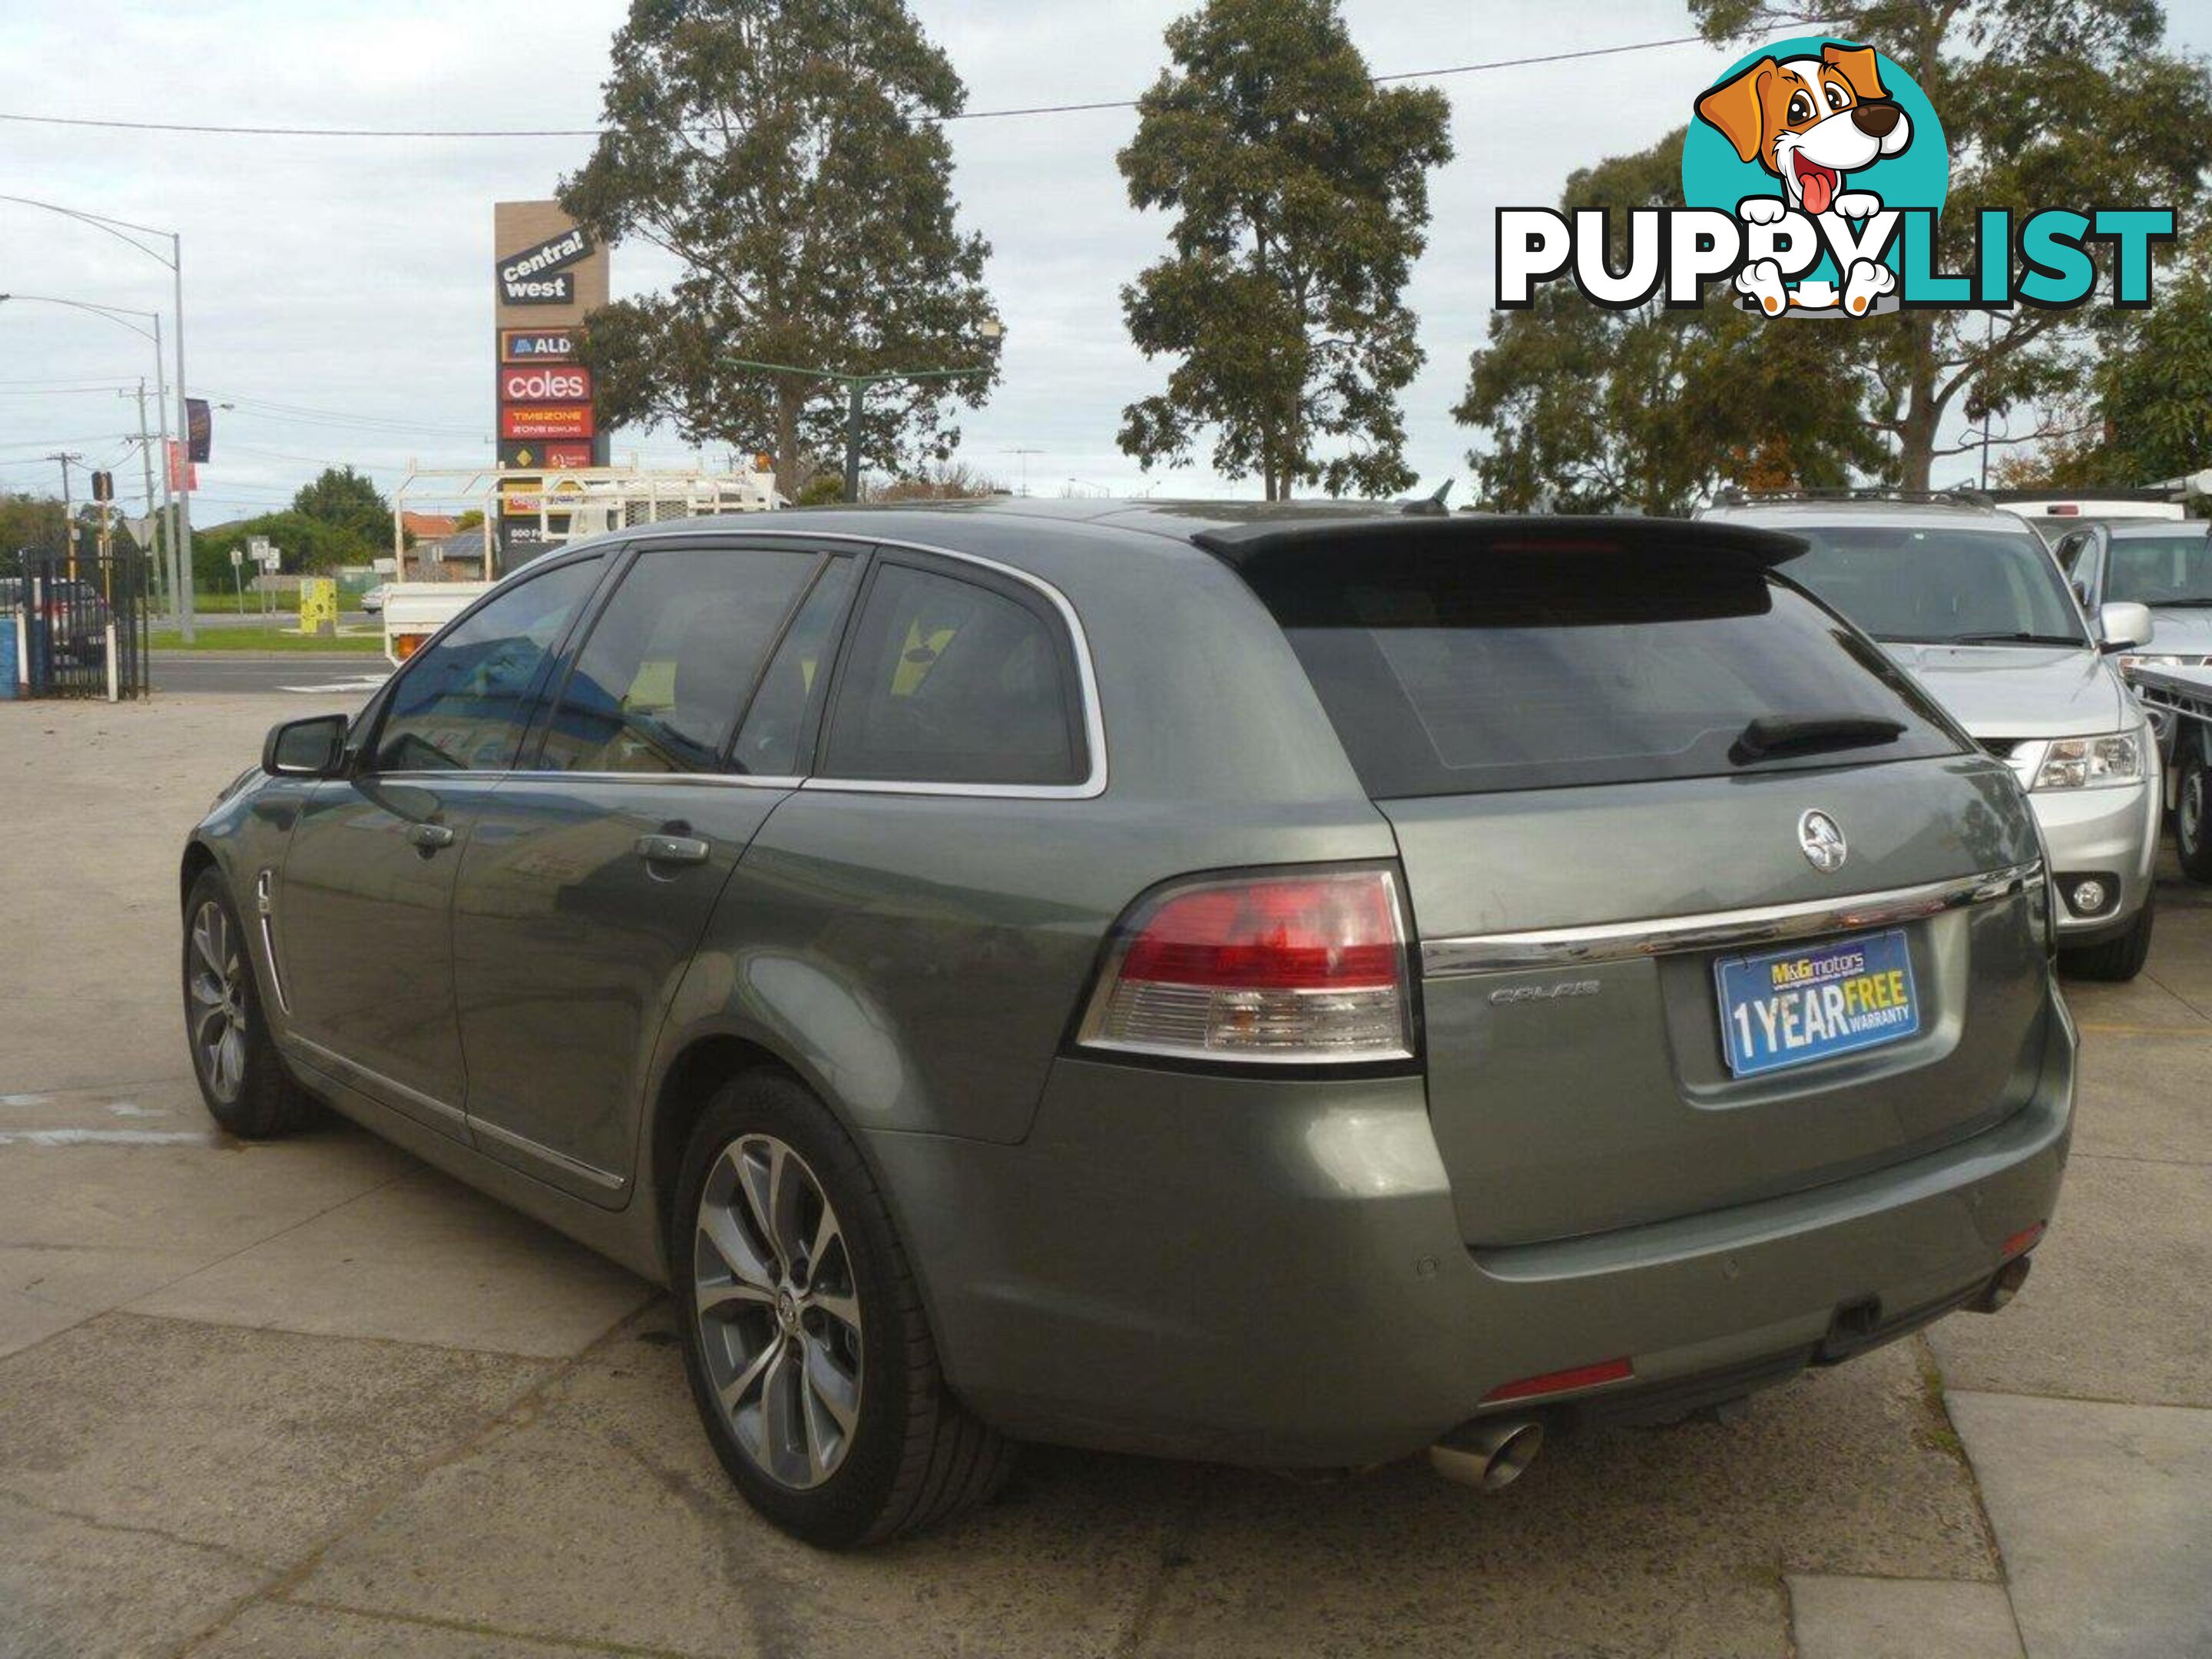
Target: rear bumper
(1272, 1271)
(2111, 832)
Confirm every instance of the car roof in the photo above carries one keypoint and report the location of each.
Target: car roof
(2159, 527)
(1233, 532)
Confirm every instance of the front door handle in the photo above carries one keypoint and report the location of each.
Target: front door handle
(672, 849)
(429, 838)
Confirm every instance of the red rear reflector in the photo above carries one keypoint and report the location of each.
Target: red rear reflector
(2026, 1239)
(1581, 1376)
(2065, 510)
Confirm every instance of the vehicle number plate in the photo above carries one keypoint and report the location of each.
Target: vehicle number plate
(1788, 1007)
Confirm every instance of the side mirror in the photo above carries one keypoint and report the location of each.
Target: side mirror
(2125, 625)
(309, 747)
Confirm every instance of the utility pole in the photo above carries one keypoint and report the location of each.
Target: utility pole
(184, 432)
(1025, 454)
(69, 512)
(153, 518)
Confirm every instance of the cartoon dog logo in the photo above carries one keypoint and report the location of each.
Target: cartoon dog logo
(1809, 121)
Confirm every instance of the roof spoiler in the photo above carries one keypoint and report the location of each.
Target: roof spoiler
(1245, 546)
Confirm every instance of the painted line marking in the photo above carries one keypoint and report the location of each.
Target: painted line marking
(362, 683)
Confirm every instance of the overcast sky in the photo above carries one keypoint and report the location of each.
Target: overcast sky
(349, 281)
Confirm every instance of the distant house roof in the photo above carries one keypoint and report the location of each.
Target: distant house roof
(427, 526)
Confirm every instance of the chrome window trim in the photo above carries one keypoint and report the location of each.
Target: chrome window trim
(1086, 673)
(710, 780)
(1623, 941)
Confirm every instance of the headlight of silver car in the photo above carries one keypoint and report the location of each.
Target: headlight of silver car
(2093, 763)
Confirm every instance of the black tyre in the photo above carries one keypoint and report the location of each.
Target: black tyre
(2116, 959)
(241, 1077)
(803, 1336)
(2192, 812)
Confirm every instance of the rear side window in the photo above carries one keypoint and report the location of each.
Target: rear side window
(770, 742)
(948, 681)
(671, 659)
(1449, 671)
(464, 700)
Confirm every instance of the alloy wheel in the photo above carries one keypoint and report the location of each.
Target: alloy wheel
(215, 982)
(777, 1311)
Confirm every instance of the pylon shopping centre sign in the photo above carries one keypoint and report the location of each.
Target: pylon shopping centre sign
(548, 274)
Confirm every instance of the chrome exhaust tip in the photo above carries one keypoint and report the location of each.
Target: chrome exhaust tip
(2002, 1287)
(1488, 1455)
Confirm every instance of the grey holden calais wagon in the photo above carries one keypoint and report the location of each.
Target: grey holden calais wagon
(1289, 985)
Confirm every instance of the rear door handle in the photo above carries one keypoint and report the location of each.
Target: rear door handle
(672, 849)
(429, 836)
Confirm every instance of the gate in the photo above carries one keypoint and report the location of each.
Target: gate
(80, 624)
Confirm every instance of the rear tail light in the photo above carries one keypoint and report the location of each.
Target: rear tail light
(404, 646)
(1283, 967)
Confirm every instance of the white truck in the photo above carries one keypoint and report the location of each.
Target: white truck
(2179, 700)
(552, 508)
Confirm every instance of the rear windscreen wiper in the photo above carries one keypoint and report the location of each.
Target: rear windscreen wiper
(2201, 602)
(2016, 638)
(1771, 735)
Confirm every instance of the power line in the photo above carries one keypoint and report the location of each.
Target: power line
(216, 129)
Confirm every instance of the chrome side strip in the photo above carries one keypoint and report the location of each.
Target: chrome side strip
(345, 1069)
(507, 1138)
(1621, 941)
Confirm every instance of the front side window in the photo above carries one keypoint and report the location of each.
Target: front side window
(947, 681)
(2159, 570)
(1938, 584)
(463, 703)
(672, 659)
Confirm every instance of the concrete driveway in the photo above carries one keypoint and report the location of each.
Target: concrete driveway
(310, 1398)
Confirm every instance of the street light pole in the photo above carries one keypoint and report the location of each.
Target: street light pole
(122, 314)
(123, 230)
(183, 483)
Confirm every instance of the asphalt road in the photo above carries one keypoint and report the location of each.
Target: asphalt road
(292, 674)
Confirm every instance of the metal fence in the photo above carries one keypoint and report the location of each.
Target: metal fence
(79, 624)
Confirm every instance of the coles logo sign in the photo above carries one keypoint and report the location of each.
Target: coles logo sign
(1813, 175)
(544, 384)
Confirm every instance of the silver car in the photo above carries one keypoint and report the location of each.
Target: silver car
(1970, 600)
(1288, 986)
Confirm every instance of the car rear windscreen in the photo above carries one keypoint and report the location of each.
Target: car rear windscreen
(1453, 671)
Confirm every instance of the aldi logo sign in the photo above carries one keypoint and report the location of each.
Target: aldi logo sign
(539, 343)
(538, 346)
